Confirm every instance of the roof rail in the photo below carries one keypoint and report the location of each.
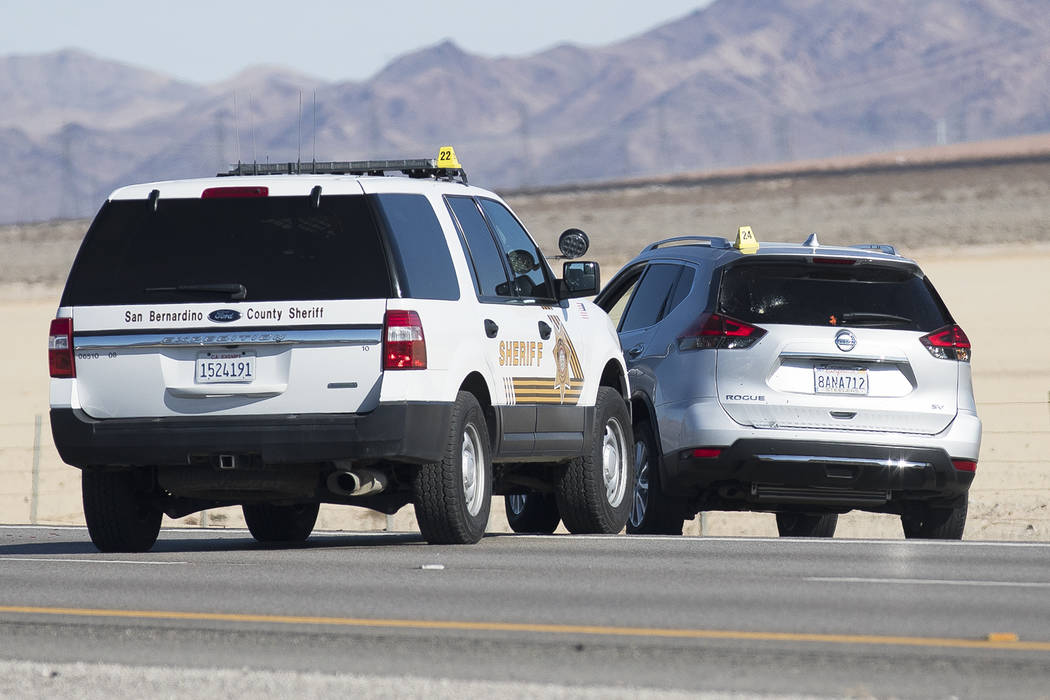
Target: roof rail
(882, 247)
(418, 167)
(712, 241)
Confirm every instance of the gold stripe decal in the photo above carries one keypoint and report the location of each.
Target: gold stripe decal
(546, 390)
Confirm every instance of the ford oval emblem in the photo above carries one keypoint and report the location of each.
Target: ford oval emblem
(224, 315)
(845, 341)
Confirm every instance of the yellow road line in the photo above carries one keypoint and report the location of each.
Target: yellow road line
(995, 641)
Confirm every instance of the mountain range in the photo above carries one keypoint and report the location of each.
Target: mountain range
(737, 83)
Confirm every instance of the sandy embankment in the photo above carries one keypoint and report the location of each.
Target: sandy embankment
(982, 235)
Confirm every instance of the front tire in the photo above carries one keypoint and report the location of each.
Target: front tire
(272, 523)
(802, 525)
(119, 515)
(452, 497)
(534, 513)
(936, 523)
(652, 512)
(593, 491)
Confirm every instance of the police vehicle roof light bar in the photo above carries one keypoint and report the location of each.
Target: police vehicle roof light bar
(417, 167)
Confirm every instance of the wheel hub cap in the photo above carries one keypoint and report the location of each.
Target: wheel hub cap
(473, 470)
(641, 484)
(614, 463)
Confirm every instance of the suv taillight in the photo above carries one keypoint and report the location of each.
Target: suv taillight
(720, 332)
(60, 349)
(404, 346)
(948, 343)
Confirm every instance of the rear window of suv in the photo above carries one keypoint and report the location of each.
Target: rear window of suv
(829, 294)
(278, 248)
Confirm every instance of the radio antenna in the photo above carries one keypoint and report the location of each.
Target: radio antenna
(299, 150)
(237, 127)
(313, 157)
(251, 127)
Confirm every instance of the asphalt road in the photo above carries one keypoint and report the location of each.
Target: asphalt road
(387, 615)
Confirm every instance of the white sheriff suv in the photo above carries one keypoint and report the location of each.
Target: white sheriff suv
(284, 336)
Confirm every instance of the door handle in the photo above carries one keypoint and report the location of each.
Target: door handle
(545, 330)
(635, 351)
(491, 329)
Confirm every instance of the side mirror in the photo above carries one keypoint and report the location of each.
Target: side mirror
(579, 279)
(573, 243)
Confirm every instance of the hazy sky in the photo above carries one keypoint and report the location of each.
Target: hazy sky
(207, 41)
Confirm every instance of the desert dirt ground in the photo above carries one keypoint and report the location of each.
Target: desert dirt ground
(982, 234)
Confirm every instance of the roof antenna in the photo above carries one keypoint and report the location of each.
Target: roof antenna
(237, 129)
(251, 129)
(299, 152)
(812, 241)
(314, 133)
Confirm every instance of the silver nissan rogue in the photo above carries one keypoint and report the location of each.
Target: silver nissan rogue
(802, 380)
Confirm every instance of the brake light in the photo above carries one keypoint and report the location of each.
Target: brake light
(948, 343)
(60, 349)
(834, 261)
(965, 465)
(720, 332)
(404, 346)
(234, 192)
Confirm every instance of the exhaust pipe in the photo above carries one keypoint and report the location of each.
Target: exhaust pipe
(356, 482)
(731, 492)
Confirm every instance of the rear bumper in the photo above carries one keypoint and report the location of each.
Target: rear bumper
(404, 432)
(767, 472)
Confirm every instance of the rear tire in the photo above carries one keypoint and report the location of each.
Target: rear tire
(936, 523)
(594, 491)
(272, 523)
(119, 515)
(534, 513)
(453, 497)
(652, 512)
(802, 525)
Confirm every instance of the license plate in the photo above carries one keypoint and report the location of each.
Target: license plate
(225, 367)
(839, 380)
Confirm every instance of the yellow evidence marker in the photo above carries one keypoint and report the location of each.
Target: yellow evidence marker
(447, 158)
(745, 240)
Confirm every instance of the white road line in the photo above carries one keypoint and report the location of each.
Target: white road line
(929, 582)
(94, 561)
(786, 541)
(212, 530)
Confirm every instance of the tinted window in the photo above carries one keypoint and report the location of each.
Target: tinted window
(489, 274)
(424, 266)
(681, 289)
(279, 248)
(829, 295)
(647, 305)
(523, 258)
(614, 302)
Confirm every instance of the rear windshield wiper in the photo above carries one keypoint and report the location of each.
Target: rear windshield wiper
(872, 318)
(235, 290)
